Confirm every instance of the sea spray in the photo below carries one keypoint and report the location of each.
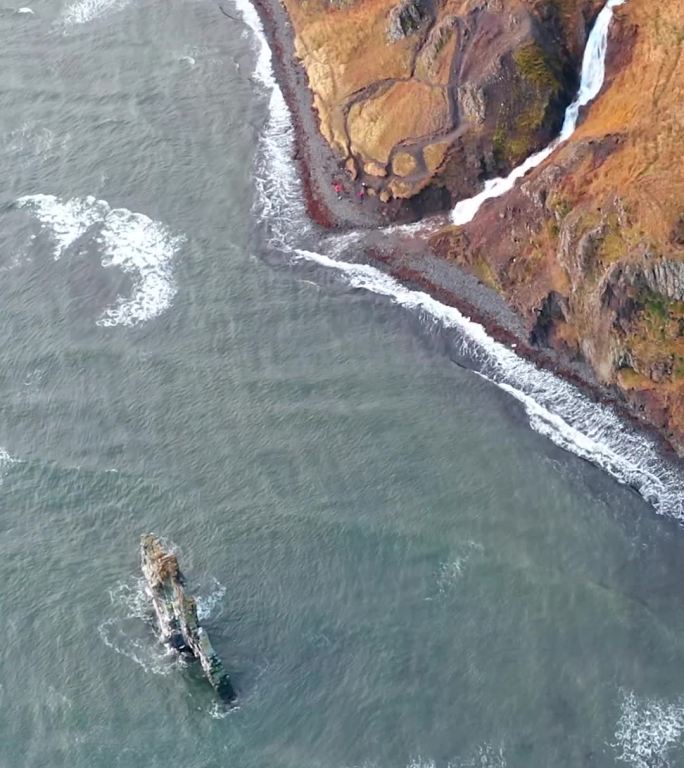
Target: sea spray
(648, 730)
(593, 75)
(555, 408)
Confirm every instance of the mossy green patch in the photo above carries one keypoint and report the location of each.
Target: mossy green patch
(484, 272)
(537, 67)
(515, 139)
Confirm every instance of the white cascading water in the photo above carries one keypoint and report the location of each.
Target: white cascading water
(555, 408)
(593, 74)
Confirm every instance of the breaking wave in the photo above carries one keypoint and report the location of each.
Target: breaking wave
(554, 408)
(648, 730)
(139, 246)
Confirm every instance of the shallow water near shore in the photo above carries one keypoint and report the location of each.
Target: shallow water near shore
(397, 570)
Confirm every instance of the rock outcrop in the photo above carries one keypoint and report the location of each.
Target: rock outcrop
(426, 99)
(414, 94)
(177, 613)
(589, 247)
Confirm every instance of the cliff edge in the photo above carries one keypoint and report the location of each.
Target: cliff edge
(589, 247)
(414, 94)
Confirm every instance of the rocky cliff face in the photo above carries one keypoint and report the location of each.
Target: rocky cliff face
(439, 93)
(589, 248)
(423, 97)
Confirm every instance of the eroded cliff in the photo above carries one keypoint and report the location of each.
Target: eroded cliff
(589, 247)
(439, 93)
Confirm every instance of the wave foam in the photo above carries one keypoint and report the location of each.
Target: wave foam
(83, 11)
(554, 407)
(278, 186)
(451, 571)
(484, 756)
(207, 603)
(139, 246)
(131, 607)
(65, 220)
(5, 461)
(648, 729)
(143, 249)
(120, 632)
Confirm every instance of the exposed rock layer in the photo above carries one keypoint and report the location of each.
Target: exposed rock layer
(464, 88)
(589, 248)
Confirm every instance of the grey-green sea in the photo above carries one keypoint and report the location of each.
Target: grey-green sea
(411, 548)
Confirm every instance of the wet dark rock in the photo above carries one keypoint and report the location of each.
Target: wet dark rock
(406, 18)
(177, 613)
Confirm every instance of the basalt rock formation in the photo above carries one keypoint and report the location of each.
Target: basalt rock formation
(177, 613)
(414, 94)
(589, 247)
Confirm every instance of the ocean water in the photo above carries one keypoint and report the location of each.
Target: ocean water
(402, 561)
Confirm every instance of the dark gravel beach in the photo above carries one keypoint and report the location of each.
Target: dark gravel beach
(410, 258)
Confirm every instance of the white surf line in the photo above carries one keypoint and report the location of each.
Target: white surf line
(278, 186)
(591, 82)
(555, 408)
(142, 248)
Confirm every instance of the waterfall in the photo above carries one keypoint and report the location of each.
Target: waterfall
(593, 75)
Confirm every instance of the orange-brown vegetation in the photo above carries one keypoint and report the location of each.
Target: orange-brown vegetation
(590, 246)
(461, 87)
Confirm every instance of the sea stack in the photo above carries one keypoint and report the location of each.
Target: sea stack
(177, 613)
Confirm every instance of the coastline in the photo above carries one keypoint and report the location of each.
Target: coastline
(414, 263)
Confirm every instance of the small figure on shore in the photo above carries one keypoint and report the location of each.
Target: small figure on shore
(338, 189)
